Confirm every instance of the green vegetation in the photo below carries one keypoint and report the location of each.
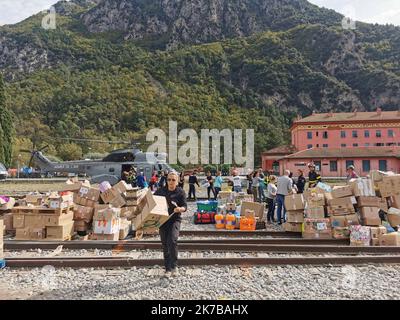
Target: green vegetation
(102, 87)
(6, 128)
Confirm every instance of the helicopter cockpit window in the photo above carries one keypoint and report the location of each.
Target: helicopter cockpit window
(111, 170)
(120, 157)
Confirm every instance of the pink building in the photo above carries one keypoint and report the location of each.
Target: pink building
(333, 141)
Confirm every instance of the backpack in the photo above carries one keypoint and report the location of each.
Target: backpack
(202, 217)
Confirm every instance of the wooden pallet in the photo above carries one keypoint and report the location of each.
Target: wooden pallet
(42, 210)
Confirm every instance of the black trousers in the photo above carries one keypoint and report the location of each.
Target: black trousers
(271, 210)
(192, 191)
(209, 189)
(169, 234)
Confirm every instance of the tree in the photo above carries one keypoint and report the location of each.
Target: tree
(70, 151)
(6, 128)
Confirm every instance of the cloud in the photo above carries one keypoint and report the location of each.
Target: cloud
(372, 11)
(13, 11)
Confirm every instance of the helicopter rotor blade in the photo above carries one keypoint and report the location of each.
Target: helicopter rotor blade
(25, 151)
(44, 148)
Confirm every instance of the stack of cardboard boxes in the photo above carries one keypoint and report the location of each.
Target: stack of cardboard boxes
(106, 224)
(51, 220)
(6, 205)
(295, 205)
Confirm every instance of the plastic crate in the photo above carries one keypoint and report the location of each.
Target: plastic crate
(208, 206)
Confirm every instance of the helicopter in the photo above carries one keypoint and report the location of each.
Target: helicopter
(110, 168)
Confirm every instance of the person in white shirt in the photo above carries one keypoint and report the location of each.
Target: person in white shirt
(237, 182)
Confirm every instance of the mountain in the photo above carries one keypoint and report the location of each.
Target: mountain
(114, 69)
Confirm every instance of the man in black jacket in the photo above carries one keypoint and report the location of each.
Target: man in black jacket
(169, 232)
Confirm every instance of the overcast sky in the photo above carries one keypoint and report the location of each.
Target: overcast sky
(379, 11)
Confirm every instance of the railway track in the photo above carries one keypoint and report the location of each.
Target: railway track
(127, 262)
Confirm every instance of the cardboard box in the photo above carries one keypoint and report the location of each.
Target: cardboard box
(383, 205)
(30, 234)
(107, 214)
(375, 242)
(32, 220)
(104, 186)
(295, 202)
(293, 227)
(74, 185)
(108, 195)
(118, 201)
(391, 239)
(122, 187)
(393, 216)
(315, 213)
(8, 222)
(317, 229)
(342, 192)
(368, 202)
(342, 202)
(258, 208)
(83, 213)
(34, 199)
(295, 216)
(62, 232)
(362, 187)
(385, 189)
(341, 233)
(104, 237)
(344, 221)
(129, 212)
(360, 235)
(125, 229)
(377, 232)
(91, 193)
(315, 200)
(106, 226)
(370, 216)
(154, 213)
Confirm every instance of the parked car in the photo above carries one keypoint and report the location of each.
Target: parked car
(3, 172)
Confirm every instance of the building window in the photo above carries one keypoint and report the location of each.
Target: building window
(343, 145)
(391, 134)
(325, 135)
(355, 144)
(366, 134)
(333, 166)
(367, 144)
(343, 134)
(309, 135)
(380, 144)
(309, 146)
(391, 144)
(349, 163)
(366, 165)
(326, 146)
(382, 165)
(378, 133)
(317, 133)
(355, 134)
(317, 145)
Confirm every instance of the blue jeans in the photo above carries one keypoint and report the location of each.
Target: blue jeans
(280, 200)
(261, 193)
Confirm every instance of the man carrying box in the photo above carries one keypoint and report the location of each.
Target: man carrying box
(169, 232)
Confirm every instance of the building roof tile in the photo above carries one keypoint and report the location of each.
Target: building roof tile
(360, 152)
